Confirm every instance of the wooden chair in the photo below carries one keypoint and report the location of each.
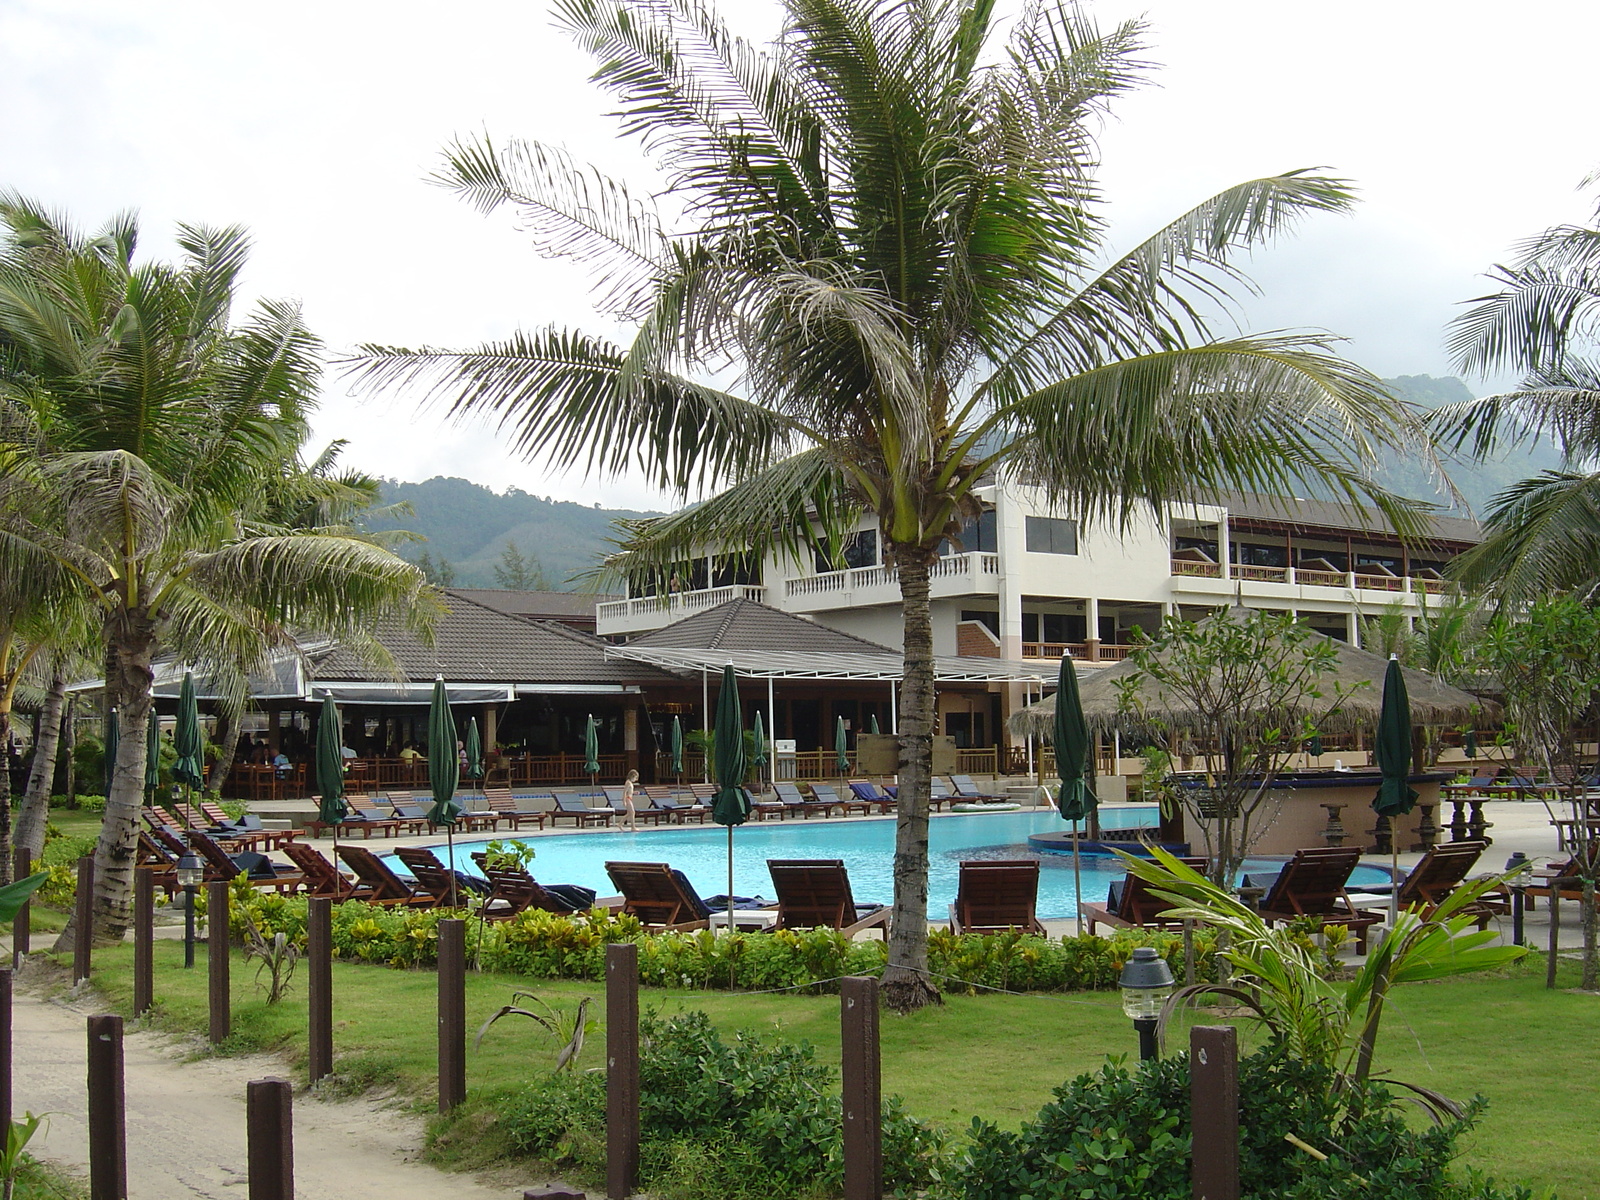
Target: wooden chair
(152, 856)
(322, 877)
(676, 810)
(870, 793)
(815, 892)
(823, 793)
(644, 809)
(220, 866)
(1132, 905)
(570, 805)
(996, 895)
(1442, 870)
(512, 891)
(658, 896)
(383, 886)
(504, 805)
(432, 876)
(1312, 884)
(965, 789)
(367, 816)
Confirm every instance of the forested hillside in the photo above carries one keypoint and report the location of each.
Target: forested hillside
(468, 527)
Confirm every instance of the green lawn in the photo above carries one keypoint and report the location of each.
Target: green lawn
(1529, 1051)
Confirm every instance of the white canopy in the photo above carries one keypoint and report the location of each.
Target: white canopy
(800, 664)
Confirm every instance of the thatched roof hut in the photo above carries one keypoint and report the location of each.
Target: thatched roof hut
(1358, 672)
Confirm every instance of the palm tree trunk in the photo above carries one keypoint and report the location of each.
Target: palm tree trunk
(131, 642)
(66, 783)
(36, 803)
(905, 979)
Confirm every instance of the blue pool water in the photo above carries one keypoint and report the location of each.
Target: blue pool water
(866, 846)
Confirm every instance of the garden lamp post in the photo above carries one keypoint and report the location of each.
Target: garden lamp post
(1146, 983)
(191, 874)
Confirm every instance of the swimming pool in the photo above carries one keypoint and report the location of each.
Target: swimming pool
(866, 846)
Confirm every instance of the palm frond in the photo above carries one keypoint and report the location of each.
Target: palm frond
(1542, 536)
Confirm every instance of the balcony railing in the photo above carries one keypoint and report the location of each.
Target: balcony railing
(952, 575)
(1088, 651)
(1304, 576)
(664, 610)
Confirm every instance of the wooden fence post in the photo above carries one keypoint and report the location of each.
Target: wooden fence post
(217, 961)
(452, 1013)
(859, 1071)
(319, 986)
(1214, 1109)
(22, 867)
(144, 909)
(269, 1117)
(108, 1132)
(622, 1069)
(83, 931)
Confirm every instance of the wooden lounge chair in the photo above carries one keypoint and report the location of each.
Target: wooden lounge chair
(1441, 870)
(995, 895)
(939, 795)
(789, 794)
(322, 877)
(965, 789)
(870, 793)
(383, 886)
(825, 800)
(512, 890)
(658, 896)
(415, 817)
(679, 812)
(508, 809)
(367, 816)
(644, 808)
(152, 856)
(815, 892)
(846, 804)
(570, 806)
(1312, 884)
(220, 866)
(1131, 904)
(432, 876)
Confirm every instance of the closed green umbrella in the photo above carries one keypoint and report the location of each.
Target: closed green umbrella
(1074, 765)
(731, 806)
(591, 748)
(677, 749)
(474, 750)
(113, 740)
(1469, 743)
(152, 758)
(186, 738)
(331, 808)
(841, 746)
(1395, 796)
(759, 732)
(444, 773)
(872, 723)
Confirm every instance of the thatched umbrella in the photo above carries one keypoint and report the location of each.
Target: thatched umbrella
(1433, 702)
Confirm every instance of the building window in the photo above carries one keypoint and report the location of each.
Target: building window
(1051, 535)
(980, 534)
(989, 620)
(859, 550)
(728, 570)
(1250, 554)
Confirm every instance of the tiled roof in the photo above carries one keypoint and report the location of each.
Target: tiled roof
(1326, 514)
(474, 643)
(749, 625)
(558, 606)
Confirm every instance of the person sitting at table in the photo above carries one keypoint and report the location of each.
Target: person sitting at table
(411, 755)
(282, 765)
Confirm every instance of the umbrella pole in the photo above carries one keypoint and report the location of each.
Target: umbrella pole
(1394, 881)
(730, 878)
(450, 852)
(1077, 879)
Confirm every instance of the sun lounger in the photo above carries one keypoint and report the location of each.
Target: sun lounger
(965, 789)
(996, 895)
(870, 793)
(512, 890)
(678, 811)
(415, 817)
(433, 876)
(643, 808)
(219, 865)
(846, 804)
(939, 795)
(322, 877)
(789, 795)
(1312, 884)
(815, 892)
(510, 810)
(152, 856)
(1131, 904)
(570, 806)
(826, 800)
(366, 815)
(661, 898)
(383, 886)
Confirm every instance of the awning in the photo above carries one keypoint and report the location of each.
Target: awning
(796, 664)
(578, 689)
(410, 693)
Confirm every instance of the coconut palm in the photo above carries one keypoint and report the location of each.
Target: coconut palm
(884, 281)
(141, 426)
(1543, 533)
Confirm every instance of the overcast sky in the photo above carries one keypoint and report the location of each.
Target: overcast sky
(314, 122)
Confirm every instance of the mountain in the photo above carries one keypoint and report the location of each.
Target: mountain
(1477, 482)
(468, 526)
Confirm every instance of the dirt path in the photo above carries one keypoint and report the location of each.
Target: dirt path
(186, 1130)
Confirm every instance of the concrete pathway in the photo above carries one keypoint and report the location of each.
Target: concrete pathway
(186, 1124)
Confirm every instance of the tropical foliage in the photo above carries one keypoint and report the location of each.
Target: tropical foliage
(140, 428)
(879, 277)
(1544, 532)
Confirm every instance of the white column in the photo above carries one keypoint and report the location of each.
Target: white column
(1091, 618)
(1223, 539)
(1010, 544)
(1354, 626)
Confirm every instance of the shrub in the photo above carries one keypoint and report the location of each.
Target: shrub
(1115, 1134)
(747, 1118)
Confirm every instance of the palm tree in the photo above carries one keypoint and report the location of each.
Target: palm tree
(886, 282)
(1543, 533)
(141, 426)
